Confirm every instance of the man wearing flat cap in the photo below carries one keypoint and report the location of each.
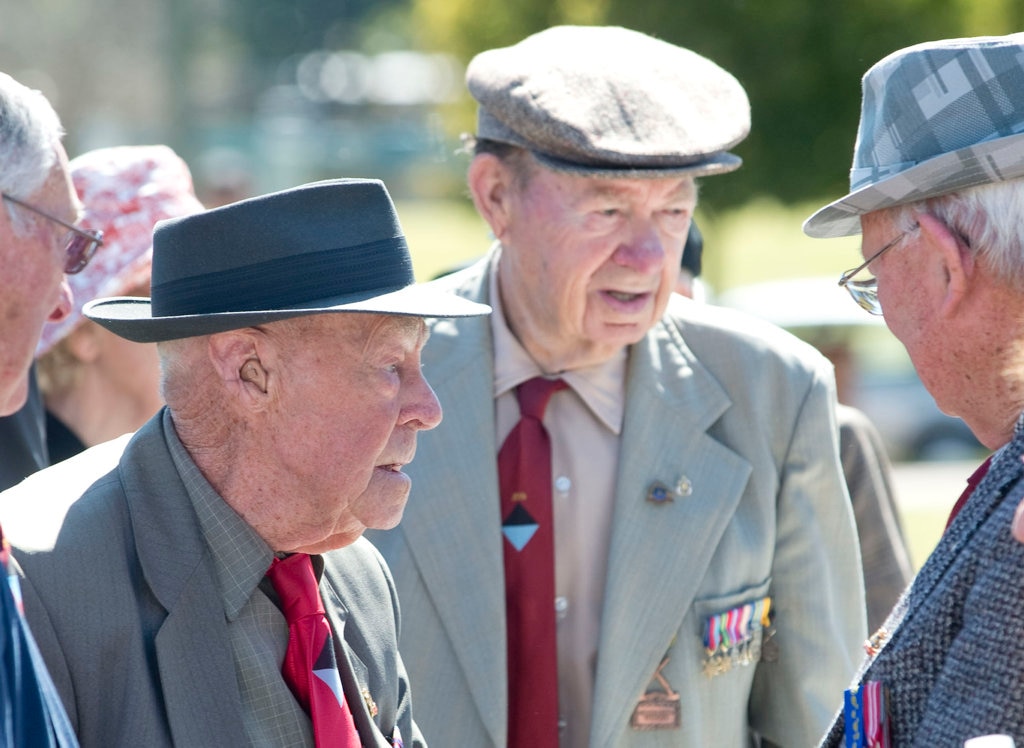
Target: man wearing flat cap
(937, 190)
(213, 589)
(640, 534)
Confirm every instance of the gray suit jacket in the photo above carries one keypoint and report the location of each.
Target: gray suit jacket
(952, 662)
(125, 607)
(742, 409)
(883, 549)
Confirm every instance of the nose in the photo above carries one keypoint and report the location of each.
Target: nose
(423, 410)
(64, 303)
(643, 250)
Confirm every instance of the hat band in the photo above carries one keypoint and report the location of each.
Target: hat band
(286, 283)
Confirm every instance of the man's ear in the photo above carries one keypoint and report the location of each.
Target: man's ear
(958, 262)
(490, 181)
(237, 357)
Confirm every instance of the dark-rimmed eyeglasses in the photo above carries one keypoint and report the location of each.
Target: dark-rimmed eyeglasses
(82, 243)
(865, 290)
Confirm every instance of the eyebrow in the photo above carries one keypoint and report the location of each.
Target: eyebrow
(685, 190)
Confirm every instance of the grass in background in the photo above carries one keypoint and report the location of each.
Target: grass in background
(764, 241)
(442, 234)
(923, 528)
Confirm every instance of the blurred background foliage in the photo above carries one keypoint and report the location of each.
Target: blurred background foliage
(261, 95)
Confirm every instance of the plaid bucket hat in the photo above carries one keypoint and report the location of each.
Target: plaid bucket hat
(935, 118)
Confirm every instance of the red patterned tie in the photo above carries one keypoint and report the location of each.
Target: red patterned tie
(310, 669)
(524, 470)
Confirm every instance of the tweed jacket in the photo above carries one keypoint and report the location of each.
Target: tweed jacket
(741, 408)
(124, 602)
(953, 649)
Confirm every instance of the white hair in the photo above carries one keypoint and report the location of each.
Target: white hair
(29, 132)
(988, 218)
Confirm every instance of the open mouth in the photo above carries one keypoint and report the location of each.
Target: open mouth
(627, 301)
(623, 296)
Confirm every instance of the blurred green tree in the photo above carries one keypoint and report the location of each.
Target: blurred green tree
(801, 63)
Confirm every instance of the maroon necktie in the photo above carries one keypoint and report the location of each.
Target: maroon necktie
(524, 473)
(972, 483)
(310, 669)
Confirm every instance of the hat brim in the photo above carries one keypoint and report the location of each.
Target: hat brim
(998, 160)
(715, 163)
(131, 317)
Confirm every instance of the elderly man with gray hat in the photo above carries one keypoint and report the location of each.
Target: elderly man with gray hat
(677, 564)
(937, 190)
(213, 588)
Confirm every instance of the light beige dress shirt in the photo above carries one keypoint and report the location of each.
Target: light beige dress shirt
(584, 423)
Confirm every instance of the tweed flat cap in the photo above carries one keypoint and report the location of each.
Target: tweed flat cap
(608, 101)
(935, 118)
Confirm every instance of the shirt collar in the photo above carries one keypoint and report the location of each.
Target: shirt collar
(601, 387)
(240, 556)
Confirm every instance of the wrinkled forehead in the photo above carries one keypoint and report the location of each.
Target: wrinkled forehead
(681, 188)
(357, 328)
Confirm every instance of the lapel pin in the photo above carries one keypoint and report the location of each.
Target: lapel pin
(659, 493)
(371, 705)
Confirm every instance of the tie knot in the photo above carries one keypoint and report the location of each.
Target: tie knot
(295, 582)
(534, 394)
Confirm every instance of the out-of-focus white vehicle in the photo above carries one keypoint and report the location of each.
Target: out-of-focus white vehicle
(873, 371)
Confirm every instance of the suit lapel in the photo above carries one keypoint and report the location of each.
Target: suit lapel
(1005, 469)
(466, 587)
(354, 681)
(197, 674)
(659, 552)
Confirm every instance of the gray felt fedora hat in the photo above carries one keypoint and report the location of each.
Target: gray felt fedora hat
(608, 101)
(935, 118)
(333, 246)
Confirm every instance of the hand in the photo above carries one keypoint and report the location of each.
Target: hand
(1018, 522)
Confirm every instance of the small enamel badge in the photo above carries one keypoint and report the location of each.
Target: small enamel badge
(660, 493)
(873, 644)
(371, 705)
(658, 709)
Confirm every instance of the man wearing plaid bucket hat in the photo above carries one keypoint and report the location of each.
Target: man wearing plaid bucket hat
(289, 330)
(937, 190)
